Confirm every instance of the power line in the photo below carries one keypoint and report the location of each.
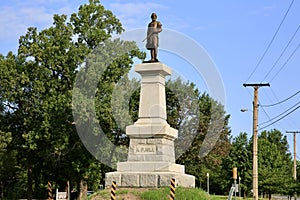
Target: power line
(280, 118)
(270, 43)
(259, 125)
(280, 102)
(288, 44)
(280, 114)
(289, 58)
(265, 111)
(290, 121)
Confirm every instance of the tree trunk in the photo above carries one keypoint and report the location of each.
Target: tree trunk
(83, 190)
(2, 190)
(29, 180)
(102, 181)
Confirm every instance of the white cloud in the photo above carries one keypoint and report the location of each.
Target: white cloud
(14, 22)
(50, 1)
(35, 16)
(65, 10)
(16, 16)
(264, 11)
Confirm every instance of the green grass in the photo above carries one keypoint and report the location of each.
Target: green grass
(159, 194)
(180, 194)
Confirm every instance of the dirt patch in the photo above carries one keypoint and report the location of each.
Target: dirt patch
(119, 197)
(129, 197)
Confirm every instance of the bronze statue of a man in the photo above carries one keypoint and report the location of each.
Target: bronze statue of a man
(154, 27)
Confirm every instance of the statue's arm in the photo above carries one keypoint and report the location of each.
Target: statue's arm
(159, 27)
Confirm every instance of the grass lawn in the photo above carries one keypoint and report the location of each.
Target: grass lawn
(157, 193)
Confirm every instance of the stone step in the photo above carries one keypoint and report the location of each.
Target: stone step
(149, 167)
(149, 179)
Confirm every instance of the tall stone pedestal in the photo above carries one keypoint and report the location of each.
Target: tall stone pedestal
(151, 156)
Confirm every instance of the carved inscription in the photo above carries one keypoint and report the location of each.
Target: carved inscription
(145, 149)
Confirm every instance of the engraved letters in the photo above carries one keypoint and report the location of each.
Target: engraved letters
(145, 149)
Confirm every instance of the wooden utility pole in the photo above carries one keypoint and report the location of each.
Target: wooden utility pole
(255, 122)
(295, 160)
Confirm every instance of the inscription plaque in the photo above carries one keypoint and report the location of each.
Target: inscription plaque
(145, 149)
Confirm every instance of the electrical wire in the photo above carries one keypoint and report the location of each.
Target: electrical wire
(280, 102)
(280, 114)
(270, 43)
(288, 44)
(291, 122)
(266, 115)
(262, 109)
(280, 118)
(286, 62)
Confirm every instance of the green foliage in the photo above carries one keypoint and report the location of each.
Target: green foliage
(209, 145)
(94, 24)
(239, 157)
(274, 161)
(106, 68)
(8, 163)
(36, 88)
(36, 99)
(38, 139)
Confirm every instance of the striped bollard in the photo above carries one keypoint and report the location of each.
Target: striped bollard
(172, 189)
(113, 190)
(50, 197)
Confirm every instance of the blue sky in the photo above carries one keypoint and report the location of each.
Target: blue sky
(234, 33)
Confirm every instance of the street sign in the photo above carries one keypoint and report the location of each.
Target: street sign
(237, 188)
(61, 195)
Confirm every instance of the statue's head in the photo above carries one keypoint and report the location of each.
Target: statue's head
(153, 16)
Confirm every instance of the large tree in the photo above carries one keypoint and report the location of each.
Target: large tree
(203, 132)
(240, 157)
(36, 90)
(36, 95)
(274, 163)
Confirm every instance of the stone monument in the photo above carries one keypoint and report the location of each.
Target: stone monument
(151, 155)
